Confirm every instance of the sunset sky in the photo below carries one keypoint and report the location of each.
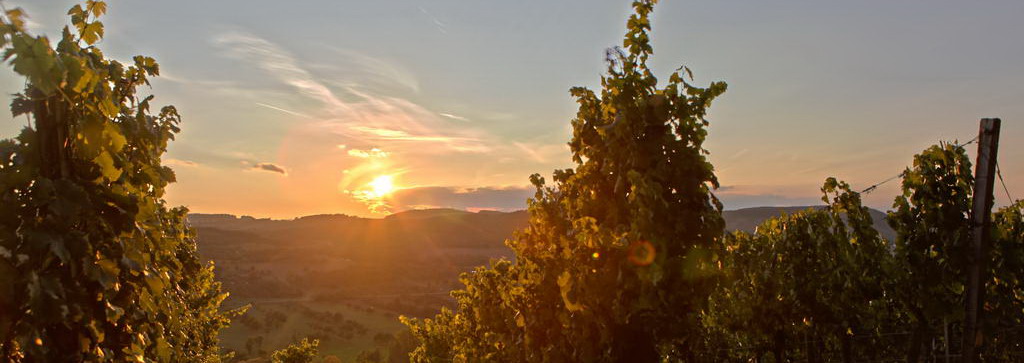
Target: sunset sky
(294, 108)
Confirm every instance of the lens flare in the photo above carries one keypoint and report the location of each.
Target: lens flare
(641, 253)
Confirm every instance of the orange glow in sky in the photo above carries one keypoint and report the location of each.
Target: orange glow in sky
(294, 116)
(376, 194)
(382, 185)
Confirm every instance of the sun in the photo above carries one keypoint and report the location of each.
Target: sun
(376, 193)
(382, 185)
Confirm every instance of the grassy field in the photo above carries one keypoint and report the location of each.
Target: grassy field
(343, 279)
(311, 319)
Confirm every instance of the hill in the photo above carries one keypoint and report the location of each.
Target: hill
(747, 219)
(315, 256)
(345, 279)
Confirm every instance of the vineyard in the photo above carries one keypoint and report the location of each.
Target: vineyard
(623, 257)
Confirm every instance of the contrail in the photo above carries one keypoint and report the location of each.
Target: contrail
(440, 26)
(282, 110)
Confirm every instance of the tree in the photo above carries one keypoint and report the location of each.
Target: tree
(401, 346)
(1003, 318)
(621, 252)
(304, 351)
(803, 285)
(484, 325)
(933, 233)
(370, 356)
(933, 225)
(94, 266)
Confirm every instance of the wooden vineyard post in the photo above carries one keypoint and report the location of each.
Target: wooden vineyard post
(981, 217)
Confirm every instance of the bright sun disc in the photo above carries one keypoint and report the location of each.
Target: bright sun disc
(382, 185)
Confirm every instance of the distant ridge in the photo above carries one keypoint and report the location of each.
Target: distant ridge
(320, 256)
(746, 219)
(446, 219)
(404, 263)
(211, 218)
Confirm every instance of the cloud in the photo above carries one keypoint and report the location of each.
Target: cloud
(352, 111)
(489, 198)
(372, 153)
(357, 181)
(366, 70)
(273, 168)
(278, 62)
(234, 89)
(462, 144)
(442, 27)
(454, 117)
(540, 152)
(293, 113)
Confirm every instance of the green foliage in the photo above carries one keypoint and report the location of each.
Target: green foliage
(803, 284)
(621, 252)
(400, 346)
(477, 329)
(94, 265)
(1004, 299)
(933, 225)
(821, 284)
(304, 351)
(370, 356)
(933, 234)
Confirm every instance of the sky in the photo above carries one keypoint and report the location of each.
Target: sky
(372, 107)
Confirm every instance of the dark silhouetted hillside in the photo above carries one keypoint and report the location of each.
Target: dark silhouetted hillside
(413, 252)
(339, 256)
(371, 270)
(747, 219)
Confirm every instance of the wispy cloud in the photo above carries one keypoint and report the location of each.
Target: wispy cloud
(441, 26)
(279, 63)
(529, 151)
(427, 197)
(539, 152)
(382, 133)
(222, 88)
(464, 144)
(273, 168)
(454, 117)
(361, 69)
(352, 112)
(489, 198)
(371, 153)
(272, 107)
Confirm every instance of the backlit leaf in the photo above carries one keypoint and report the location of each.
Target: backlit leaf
(108, 170)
